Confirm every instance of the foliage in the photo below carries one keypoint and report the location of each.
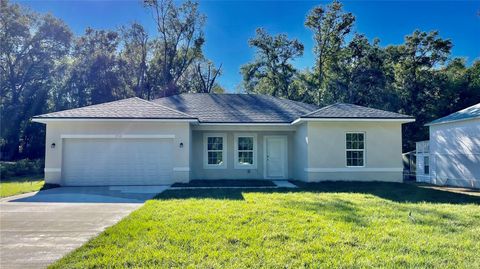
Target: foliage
(272, 72)
(331, 225)
(21, 168)
(44, 67)
(417, 78)
(330, 26)
(178, 45)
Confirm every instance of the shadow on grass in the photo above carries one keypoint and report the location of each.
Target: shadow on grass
(397, 192)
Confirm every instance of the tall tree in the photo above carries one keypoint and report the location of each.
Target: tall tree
(272, 71)
(30, 46)
(416, 82)
(179, 44)
(330, 26)
(207, 74)
(135, 54)
(362, 76)
(97, 71)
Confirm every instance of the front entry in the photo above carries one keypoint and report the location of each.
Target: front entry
(275, 157)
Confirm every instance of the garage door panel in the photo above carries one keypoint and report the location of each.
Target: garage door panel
(90, 162)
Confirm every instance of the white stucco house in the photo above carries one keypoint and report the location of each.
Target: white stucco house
(452, 155)
(220, 136)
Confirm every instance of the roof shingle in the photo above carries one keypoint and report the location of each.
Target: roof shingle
(237, 108)
(131, 108)
(342, 110)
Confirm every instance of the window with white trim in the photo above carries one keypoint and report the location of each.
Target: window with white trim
(426, 165)
(215, 150)
(245, 151)
(355, 149)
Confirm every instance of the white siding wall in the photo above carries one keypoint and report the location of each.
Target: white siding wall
(455, 153)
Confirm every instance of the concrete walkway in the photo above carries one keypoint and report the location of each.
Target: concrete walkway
(38, 228)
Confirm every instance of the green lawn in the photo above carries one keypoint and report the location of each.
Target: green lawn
(19, 185)
(339, 225)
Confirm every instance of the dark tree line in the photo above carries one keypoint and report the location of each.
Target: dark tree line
(418, 77)
(45, 67)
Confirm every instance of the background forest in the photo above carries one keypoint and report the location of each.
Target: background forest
(44, 67)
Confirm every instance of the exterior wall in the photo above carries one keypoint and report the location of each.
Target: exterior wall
(455, 153)
(230, 172)
(55, 130)
(326, 156)
(300, 144)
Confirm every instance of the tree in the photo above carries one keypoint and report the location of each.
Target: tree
(362, 76)
(207, 74)
(415, 65)
(96, 70)
(30, 46)
(135, 54)
(272, 71)
(178, 45)
(330, 26)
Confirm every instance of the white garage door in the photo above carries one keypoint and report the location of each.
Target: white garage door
(90, 162)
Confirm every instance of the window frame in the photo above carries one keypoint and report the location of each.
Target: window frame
(206, 165)
(237, 165)
(364, 150)
(426, 163)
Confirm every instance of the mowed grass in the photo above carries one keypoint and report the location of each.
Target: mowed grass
(326, 225)
(19, 185)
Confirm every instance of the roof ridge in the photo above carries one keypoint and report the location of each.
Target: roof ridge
(169, 108)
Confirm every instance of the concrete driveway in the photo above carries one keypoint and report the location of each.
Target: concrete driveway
(38, 228)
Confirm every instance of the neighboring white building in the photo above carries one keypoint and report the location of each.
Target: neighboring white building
(452, 156)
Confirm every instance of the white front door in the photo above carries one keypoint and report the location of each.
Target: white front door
(276, 157)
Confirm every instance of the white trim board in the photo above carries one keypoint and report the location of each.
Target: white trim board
(44, 120)
(52, 170)
(117, 136)
(351, 169)
(299, 120)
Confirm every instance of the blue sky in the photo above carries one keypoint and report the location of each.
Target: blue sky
(231, 23)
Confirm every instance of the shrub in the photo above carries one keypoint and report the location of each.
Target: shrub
(21, 168)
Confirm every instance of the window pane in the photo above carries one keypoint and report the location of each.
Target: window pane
(361, 145)
(245, 157)
(360, 137)
(355, 158)
(215, 143)
(245, 143)
(215, 157)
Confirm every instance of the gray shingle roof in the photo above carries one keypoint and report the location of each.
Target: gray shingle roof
(220, 108)
(342, 110)
(464, 114)
(237, 108)
(131, 108)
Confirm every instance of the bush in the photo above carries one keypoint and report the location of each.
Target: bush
(21, 168)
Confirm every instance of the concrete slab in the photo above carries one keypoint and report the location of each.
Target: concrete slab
(38, 228)
(284, 184)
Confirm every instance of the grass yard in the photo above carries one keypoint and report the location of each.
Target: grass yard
(19, 185)
(327, 225)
